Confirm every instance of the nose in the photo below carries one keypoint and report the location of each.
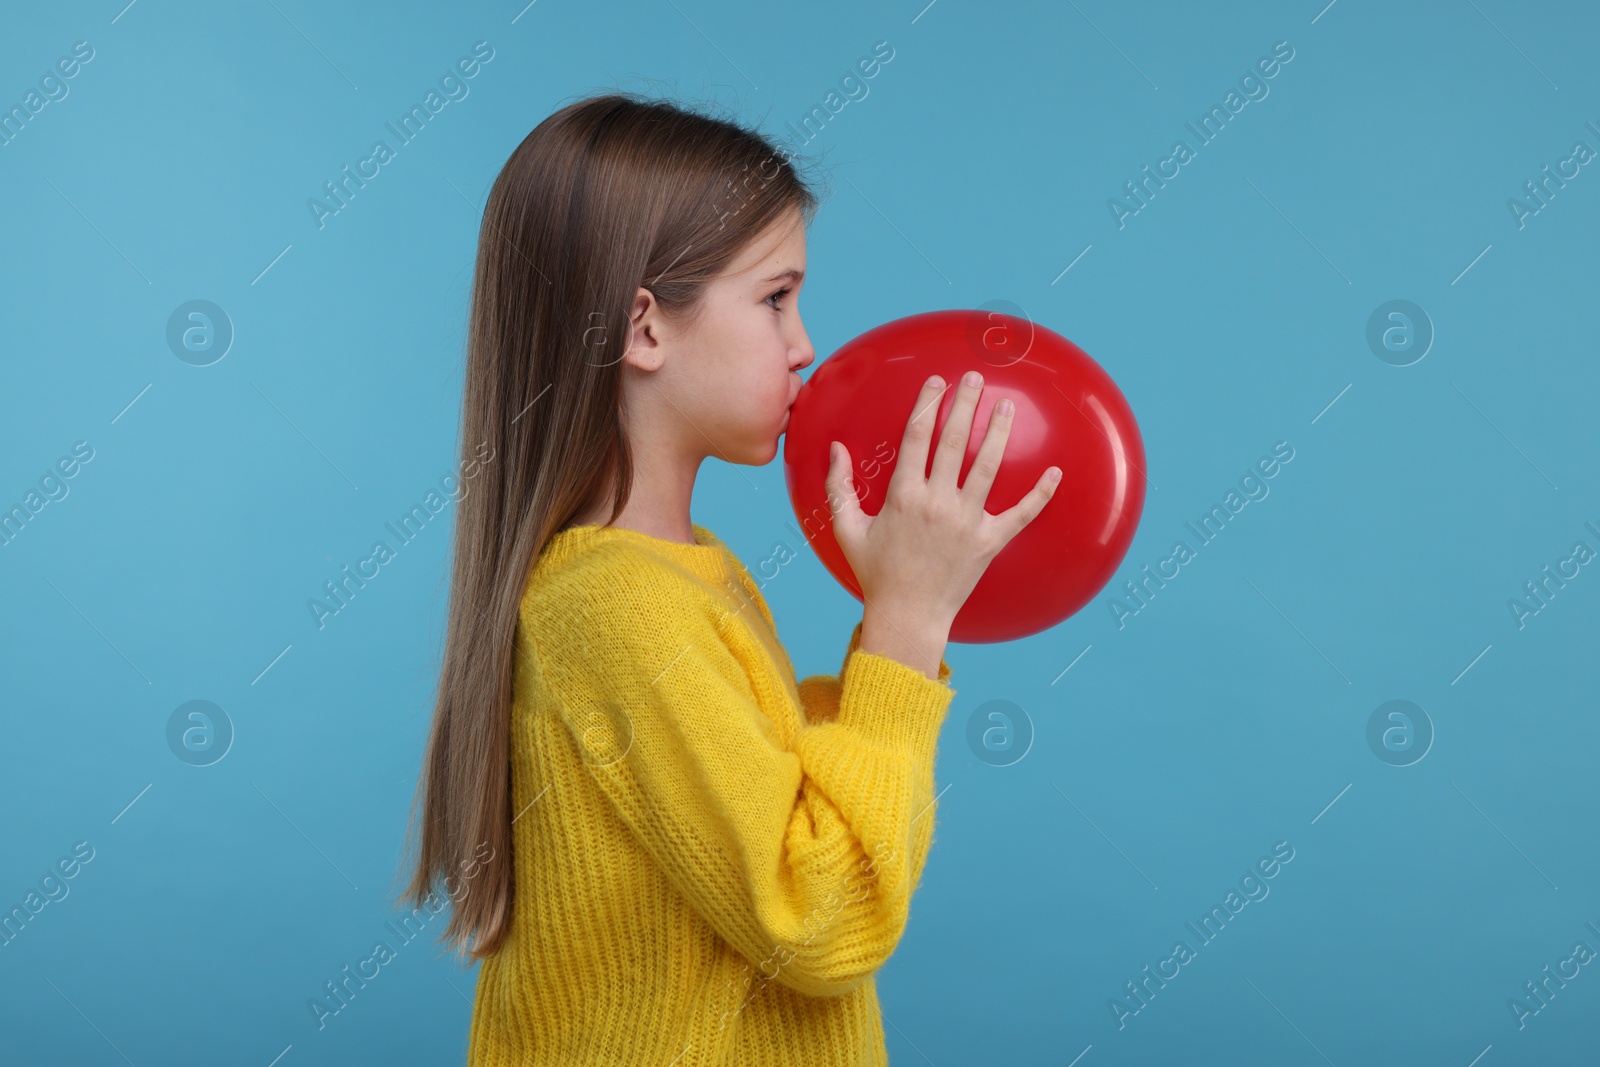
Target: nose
(807, 355)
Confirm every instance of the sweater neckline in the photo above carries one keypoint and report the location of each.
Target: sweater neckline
(707, 557)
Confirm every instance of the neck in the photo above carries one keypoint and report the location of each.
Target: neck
(658, 503)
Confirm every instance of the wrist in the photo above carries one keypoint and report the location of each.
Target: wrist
(908, 636)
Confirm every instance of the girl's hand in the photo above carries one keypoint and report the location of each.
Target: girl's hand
(923, 553)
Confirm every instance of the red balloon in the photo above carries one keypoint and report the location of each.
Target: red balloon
(1069, 413)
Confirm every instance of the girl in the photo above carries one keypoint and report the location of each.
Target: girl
(662, 847)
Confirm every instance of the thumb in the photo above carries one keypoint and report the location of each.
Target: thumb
(841, 488)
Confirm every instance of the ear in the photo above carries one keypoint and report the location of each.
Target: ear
(646, 331)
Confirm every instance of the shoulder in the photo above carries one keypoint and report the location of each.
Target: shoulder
(615, 616)
(611, 589)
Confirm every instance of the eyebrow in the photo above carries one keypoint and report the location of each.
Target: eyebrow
(796, 276)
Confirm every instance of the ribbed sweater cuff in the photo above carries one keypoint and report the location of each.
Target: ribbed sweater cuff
(855, 642)
(893, 705)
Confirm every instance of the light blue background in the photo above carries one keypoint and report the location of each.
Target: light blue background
(1225, 717)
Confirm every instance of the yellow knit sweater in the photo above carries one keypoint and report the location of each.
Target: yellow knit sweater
(710, 858)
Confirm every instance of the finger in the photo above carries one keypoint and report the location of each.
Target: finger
(913, 461)
(843, 504)
(1027, 509)
(987, 463)
(952, 448)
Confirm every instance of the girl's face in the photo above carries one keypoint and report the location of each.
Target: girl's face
(734, 373)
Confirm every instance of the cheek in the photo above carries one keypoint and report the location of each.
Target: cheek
(778, 378)
(764, 372)
(752, 370)
(760, 395)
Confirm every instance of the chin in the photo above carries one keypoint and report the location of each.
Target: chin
(756, 453)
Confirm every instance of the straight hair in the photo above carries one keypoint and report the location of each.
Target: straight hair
(609, 194)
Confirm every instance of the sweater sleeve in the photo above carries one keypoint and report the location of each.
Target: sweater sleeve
(802, 857)
(819, 693)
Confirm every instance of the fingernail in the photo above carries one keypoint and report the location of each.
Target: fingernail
(1054, 474)
(973, 379)
(1004, 407)
(936, 382)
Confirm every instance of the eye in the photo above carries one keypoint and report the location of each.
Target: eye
(779, 295)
